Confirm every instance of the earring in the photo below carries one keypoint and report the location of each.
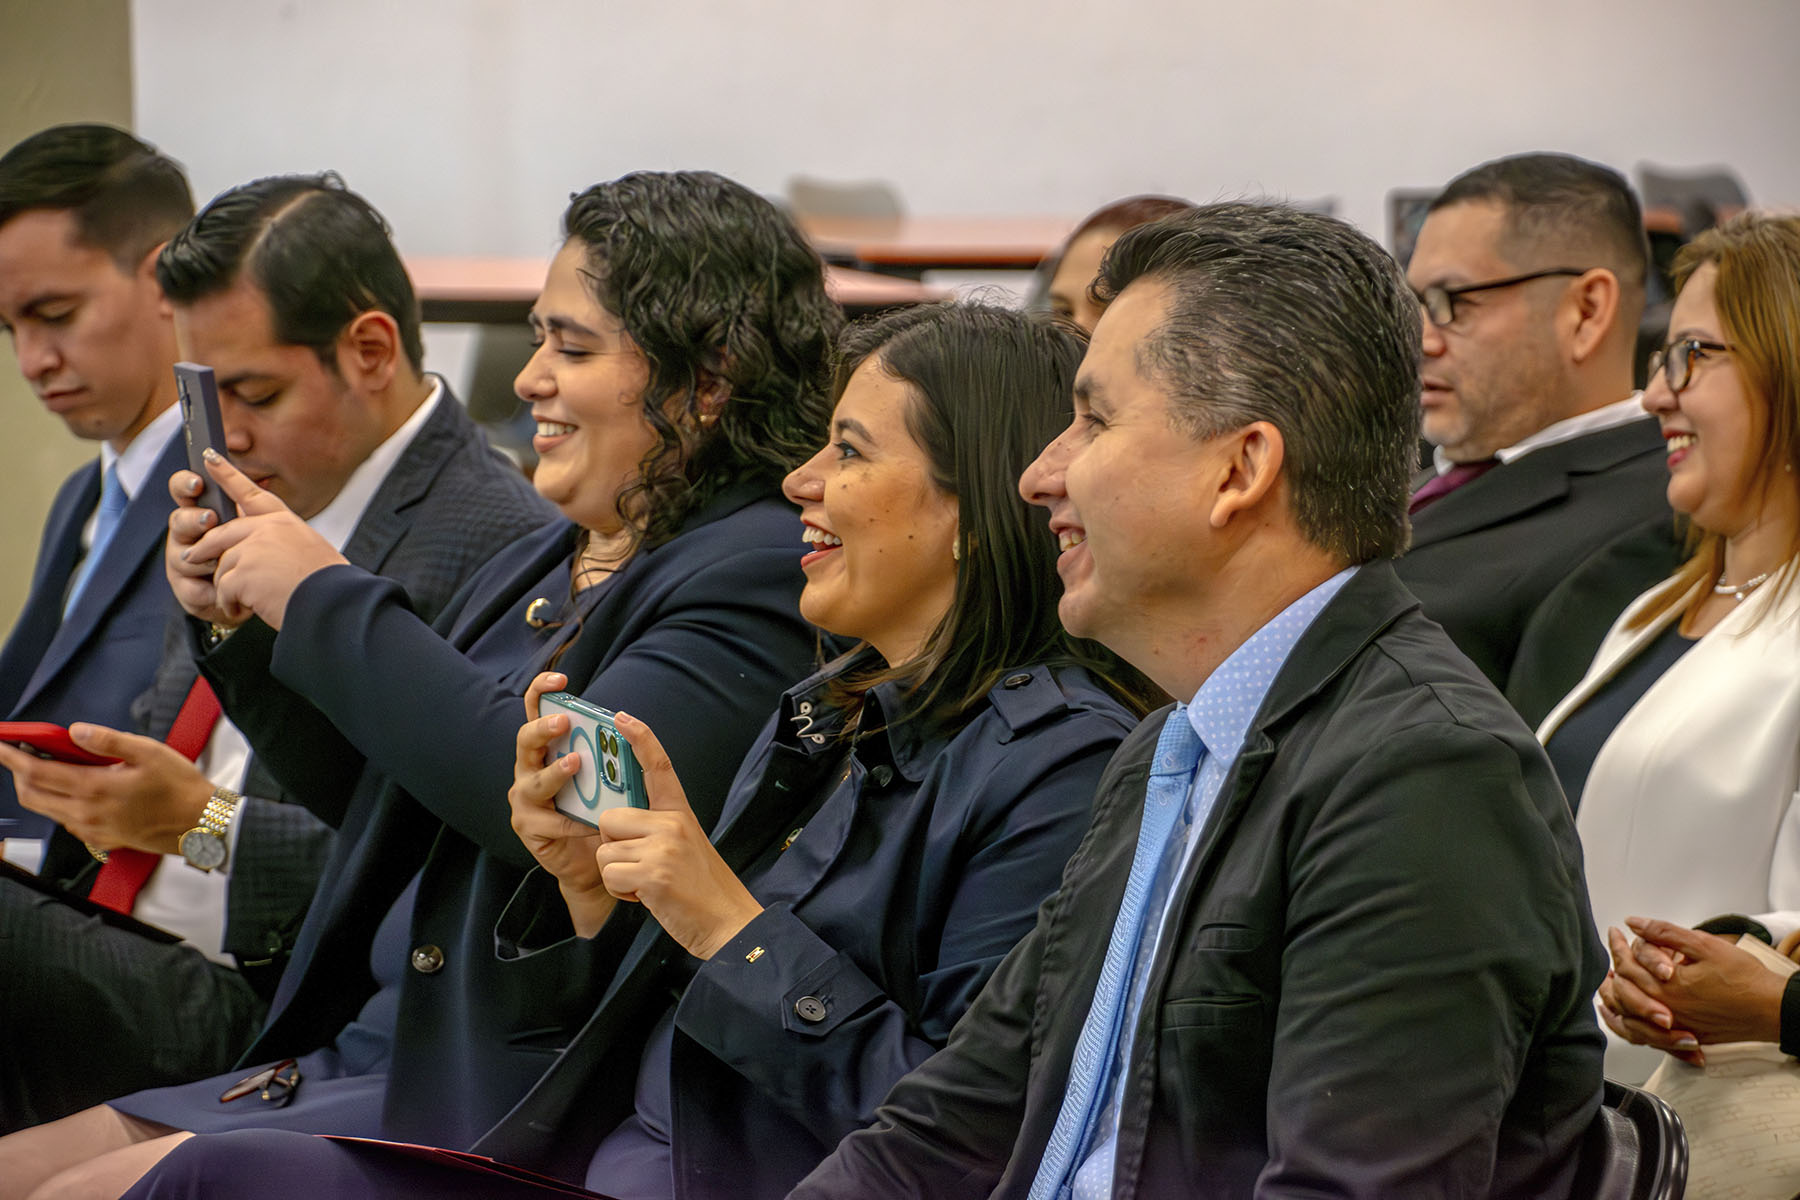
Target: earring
(956, 549)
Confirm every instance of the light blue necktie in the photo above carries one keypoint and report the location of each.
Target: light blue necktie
(112, 507)
(1178, 750)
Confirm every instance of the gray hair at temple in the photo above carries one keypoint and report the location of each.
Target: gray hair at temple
(1296, 319)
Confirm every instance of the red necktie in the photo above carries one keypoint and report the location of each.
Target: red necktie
(125, 871)
(1442, 485)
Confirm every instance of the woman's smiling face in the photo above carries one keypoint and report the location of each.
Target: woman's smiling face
(585, 385)
(1713, 428)
(880, 533)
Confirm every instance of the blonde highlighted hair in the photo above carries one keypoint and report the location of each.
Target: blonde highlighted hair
(1757, 295)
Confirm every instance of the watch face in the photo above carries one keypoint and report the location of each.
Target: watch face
(203, 849)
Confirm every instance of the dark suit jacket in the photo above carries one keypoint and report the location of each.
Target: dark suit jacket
(1484, 557)
(1565, 632)
(901, 895)
(698, 637)
(1377, 985)
(93, 665)
(448, 505)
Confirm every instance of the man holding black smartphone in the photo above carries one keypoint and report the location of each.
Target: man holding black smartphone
(83, 211)
(291, 291)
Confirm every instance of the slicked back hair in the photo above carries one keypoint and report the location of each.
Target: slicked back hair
(124, 196)
(319, 253)
(1297, 319)
(1560, 206)
(714, 284)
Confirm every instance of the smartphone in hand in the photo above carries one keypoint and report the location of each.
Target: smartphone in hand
(204, 429)
(609, 776)
(50, 741)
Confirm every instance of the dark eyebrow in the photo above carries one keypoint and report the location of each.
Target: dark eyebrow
(1450, 281)
(44, 298)
(561, 325)
(232, 383)
(1691, 335)
(851, 425)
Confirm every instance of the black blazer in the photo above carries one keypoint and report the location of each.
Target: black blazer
(448, 505)
(698, 637)
(1484, 557)
(93, 665)
(1379, 984)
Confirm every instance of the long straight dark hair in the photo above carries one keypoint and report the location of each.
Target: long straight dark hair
(990, 388)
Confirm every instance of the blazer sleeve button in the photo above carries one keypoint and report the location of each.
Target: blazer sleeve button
(881, 776)
(1016, 681)
(427, 960)
(810, 1009)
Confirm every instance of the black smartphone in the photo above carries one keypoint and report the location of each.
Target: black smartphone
(200, 421)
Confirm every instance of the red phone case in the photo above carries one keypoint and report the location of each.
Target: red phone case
(50, 741)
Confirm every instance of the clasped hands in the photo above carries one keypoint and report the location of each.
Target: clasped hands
(247, 567)
(1678, 989)
(659, 857)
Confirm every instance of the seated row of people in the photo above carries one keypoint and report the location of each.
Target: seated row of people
(773, 955)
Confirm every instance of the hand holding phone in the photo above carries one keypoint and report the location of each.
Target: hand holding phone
(204, 430)
(51, 741)
(609, 776)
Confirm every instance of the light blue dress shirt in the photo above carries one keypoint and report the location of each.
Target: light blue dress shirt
(1221, 712)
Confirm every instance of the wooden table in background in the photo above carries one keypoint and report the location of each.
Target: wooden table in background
(501, 291)
(926, 243)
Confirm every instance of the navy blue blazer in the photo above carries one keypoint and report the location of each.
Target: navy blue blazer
(93, 665)
(884, 917)
(697, 636)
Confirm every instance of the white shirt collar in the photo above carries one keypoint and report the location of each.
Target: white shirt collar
(1607, 416)
(141, 455)
(338, 520)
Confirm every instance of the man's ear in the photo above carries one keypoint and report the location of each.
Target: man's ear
(145, 275)
(369, 350)
(146, 268)
(1252, 469)
(1589, 313)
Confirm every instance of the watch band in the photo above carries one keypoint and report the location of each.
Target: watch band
(207, 846)
(220, 811)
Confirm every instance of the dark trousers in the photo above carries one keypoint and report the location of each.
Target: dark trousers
(89, 1012)
(268, 1162)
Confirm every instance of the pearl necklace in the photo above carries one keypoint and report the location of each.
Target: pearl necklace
(1737, 591)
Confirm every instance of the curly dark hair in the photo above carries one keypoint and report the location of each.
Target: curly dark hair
(715, 285)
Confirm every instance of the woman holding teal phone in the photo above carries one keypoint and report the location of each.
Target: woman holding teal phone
(887, 840)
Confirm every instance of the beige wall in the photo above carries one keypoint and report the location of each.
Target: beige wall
(60, 60)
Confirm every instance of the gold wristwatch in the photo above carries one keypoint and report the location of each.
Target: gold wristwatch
(207, 845)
